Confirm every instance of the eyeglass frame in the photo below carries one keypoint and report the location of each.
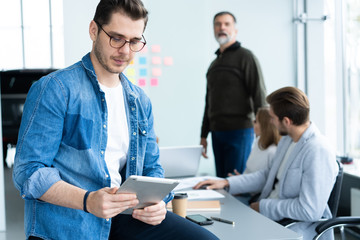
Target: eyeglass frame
(126, 41)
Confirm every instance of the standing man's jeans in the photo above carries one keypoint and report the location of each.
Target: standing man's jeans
(231, 150)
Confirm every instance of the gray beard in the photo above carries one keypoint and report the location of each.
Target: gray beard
(223, 40)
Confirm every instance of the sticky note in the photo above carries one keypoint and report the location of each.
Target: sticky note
(132, 80)
(155, 48)
(156, 72)
(142, 60)
(168, 61)
(154, 82)
(156, 60)
(130, 72)
(143, 72)
(144, 50)
(142, 82)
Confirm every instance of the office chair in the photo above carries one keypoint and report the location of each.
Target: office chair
(333, 204)
(336, 222)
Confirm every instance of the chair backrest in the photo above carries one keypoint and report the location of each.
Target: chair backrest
(333, 201)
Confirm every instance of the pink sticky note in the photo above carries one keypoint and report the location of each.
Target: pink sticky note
(156, 72)
(142, 82)
(156, 60)
(155, 48)
(154, 82)
(168, 61)
(144, 50)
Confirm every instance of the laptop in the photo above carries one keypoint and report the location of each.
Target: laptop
(180, 161)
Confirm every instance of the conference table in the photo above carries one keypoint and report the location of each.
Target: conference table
(249, 224)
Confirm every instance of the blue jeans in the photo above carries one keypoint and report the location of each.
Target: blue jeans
(231, 150)
(173, 227)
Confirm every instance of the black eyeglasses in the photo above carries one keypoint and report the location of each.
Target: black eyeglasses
(119, 42)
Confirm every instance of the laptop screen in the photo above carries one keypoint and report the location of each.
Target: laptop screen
(180, 161)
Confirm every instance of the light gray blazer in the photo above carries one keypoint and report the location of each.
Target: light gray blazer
(309, 176)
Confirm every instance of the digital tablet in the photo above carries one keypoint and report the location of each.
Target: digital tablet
(149, 190)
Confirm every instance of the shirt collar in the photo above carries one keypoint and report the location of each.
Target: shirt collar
(232, 47)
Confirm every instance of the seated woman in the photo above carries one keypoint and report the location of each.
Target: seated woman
(264, 148)
(267, 138)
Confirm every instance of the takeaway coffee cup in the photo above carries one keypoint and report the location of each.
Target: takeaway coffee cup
(179, 204)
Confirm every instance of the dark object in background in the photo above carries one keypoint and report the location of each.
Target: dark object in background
(345, 159)
(15, 85)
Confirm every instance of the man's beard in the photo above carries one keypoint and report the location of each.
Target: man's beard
(102, 59)
(283, 133)
(223, 39)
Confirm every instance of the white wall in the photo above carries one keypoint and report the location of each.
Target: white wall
(183, 29)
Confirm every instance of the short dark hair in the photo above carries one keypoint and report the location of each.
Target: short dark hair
(290, 102)
(224, 13)
(132, 8)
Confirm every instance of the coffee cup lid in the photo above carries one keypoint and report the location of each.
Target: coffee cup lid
(180, 195)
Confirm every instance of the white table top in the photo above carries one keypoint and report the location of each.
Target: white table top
(249, 224)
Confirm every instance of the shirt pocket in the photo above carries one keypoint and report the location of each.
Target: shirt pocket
(292, 183)
(78, 131)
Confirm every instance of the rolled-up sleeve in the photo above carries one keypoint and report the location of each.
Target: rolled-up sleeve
(39, 182)
(39, 138)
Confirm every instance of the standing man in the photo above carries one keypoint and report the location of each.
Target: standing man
(84, 125)
(235, 90)
(298, 183)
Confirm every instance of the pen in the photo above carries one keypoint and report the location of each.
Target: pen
(222, 220)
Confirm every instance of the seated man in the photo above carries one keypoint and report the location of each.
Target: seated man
(81, 127)
(299, 181)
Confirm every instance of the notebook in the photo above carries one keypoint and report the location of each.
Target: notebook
(181, 161)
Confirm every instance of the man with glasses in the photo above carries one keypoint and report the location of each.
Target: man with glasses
(84, 130)
(235, 91)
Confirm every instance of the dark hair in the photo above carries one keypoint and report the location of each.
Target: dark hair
(269, 134)
(224, 13)
(132, 8)
(290, 102)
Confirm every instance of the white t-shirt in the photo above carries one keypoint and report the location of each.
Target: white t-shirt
(259, 158)
(275, 193)
(118, 133)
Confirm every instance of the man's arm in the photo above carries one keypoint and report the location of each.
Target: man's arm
(305, 190)
(104, 203)
(255, 82)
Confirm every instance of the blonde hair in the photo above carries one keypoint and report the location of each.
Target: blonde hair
(269, 134)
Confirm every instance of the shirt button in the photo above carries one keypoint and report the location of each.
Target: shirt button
(133, 109)
(104, 126)
(102, 99)
(107, 219)
(106, 175)
(102, 152)
(133, 158)
(134, 133)
(23, 196)
(144, 132)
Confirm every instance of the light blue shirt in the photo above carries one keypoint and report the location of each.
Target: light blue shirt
(63, 136)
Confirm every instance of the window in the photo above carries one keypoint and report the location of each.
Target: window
(352, 76)
(33, 34)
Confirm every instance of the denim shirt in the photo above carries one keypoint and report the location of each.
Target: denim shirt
(63, 136)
